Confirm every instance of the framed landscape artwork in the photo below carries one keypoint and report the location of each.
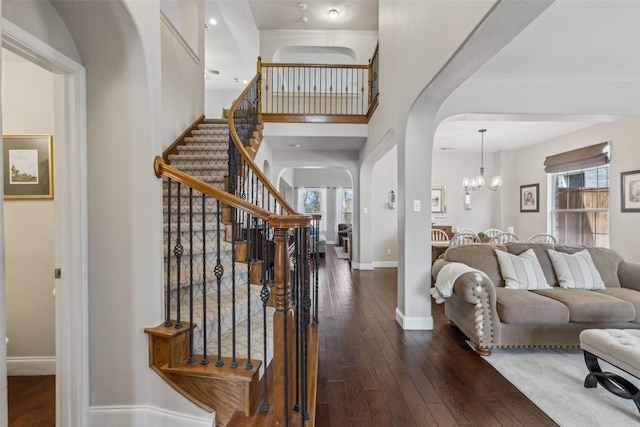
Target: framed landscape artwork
(28, 166)
(529, 195)
(438, 200)
(630, 188)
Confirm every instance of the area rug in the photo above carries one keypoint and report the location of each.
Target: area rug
(553, 379)
(340, 253)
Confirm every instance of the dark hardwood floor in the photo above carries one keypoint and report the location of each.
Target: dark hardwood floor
(372, 373)
(32, 401)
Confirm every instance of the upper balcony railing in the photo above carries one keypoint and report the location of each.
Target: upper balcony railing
(318, 92)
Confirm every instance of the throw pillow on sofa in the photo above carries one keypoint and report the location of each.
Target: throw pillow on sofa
(576, 271)
(521, 271)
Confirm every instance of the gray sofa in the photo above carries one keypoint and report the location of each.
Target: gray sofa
(491, 315)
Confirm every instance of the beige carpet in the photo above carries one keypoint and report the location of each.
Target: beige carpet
(553, 380)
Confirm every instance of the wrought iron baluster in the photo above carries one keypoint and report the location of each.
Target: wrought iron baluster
(191, 359)
(219, 272)
(285, 348)
(234, 240)
(296, 301)
(178, 251)
(306, 303)
(167, 319)
(250, 230)
(205, 357)
(264, 296)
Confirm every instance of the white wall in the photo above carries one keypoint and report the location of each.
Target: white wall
(448, 168)
(527, 168)
(27, 106)
(384, 219)
(41, 20)
(120, 44)
(363, 43)
(182, 75)
(216, 100)
(404, 73)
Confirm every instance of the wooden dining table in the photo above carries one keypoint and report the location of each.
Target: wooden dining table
(437, 248)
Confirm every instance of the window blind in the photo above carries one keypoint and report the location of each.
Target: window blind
(581, 158)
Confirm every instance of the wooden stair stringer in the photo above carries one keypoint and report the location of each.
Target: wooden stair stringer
(262, 418)
(221, 389)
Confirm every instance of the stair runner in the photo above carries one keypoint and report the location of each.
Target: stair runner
(205, 157)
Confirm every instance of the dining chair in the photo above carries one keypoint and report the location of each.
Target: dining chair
(504, 238)
(466, 230)
(491, 232)
(543, 238)
(464, 239)
(438, 235)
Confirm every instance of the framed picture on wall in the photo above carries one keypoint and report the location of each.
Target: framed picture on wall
(28, 166)
(630, 188)
(529, 198)
(439, 200)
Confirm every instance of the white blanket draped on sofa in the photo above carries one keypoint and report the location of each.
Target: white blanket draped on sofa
(446, 278)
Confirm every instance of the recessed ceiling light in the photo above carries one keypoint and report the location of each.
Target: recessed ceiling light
(294, 145)
(302, 6)
(333, 14)
(245, 81)
(447, 148)
(304, 19)
(212, 21)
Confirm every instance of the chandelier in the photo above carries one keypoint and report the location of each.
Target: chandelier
(473, 184)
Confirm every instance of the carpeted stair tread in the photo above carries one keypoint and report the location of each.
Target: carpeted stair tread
(216, 121)
(226, 311)
(195, 156)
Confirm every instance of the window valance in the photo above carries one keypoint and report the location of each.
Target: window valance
(581, 158)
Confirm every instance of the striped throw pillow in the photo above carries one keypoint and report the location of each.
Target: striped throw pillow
(521, 271)
(576, 271)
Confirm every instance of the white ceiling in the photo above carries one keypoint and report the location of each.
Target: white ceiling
(576, 40)
(288, 15)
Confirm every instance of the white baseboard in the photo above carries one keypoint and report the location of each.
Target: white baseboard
(414, 323)
(144, 416)
(385, 264)
(362, 266)
(31, 366)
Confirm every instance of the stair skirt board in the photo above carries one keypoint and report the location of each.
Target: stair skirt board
(145, 416)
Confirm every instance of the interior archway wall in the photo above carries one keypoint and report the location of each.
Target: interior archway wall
(484, 28)
(120, 45)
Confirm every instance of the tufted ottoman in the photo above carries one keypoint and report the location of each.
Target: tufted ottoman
(619, 347)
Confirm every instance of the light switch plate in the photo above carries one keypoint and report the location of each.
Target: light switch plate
(416, 205)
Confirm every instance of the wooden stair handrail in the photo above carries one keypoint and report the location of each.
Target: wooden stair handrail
(295, 65)
(245, 154)
(173, 148)
(276, 221)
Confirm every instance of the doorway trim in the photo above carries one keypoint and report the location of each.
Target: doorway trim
(71, 247)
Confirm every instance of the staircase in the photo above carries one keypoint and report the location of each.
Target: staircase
(229, 306)
(240, 332)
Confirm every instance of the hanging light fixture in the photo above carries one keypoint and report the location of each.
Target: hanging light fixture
(473, 184)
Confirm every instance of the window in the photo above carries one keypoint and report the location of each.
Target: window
(346, 205)
(580, 206)
(312, 201)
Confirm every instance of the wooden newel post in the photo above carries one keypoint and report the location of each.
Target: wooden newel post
(284, 321)
(280, 353)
